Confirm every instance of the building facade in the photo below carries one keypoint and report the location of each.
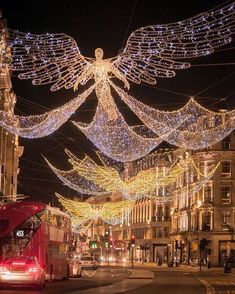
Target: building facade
(149, 222)
(195, 224)
(208, 214)
(10, 151)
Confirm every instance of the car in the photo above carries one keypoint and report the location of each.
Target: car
(22, 270)
(75, 266)
(88, 262)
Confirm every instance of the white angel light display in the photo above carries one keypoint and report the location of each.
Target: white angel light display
(151, 52)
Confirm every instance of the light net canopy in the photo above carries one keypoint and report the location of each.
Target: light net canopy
(116, 139)
(37, 126)
(190, 127)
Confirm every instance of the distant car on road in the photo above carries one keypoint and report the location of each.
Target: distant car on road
(75, 266)
(88, 262)
(22, 270)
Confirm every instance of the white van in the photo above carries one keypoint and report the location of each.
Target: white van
(88, 261)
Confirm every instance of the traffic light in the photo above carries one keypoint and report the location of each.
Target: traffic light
(107, 232)
(133, 240)
(106, 244)
(176, 244)
(111, 242)
(93, 244)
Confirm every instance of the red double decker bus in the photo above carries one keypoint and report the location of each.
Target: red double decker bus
(30, 228)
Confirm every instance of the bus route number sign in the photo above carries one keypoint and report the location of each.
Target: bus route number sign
(20, 233)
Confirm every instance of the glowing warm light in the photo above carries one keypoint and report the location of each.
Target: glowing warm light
(107, 179)
(144, 183)
(74, 181)
(83, 211)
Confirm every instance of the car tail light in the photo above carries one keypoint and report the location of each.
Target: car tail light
(33, 270)
(4, 269)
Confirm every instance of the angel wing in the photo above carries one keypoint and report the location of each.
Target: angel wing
(157, 50)
(47, 58)
(81, 210)
(114, 209)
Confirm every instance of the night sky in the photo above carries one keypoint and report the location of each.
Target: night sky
(106, 24)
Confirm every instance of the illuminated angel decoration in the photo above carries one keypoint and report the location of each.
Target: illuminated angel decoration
(107, 179)
(151, 52)
(84, 211)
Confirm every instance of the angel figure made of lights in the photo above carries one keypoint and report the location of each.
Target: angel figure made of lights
(150, 52)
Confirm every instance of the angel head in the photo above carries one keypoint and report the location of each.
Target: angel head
(99, 53)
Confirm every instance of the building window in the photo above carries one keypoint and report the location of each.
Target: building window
(206, 221)
(166, 232)
(225, 217)
(226, 169)
(226, 194)
(226, 144)
(208, 194)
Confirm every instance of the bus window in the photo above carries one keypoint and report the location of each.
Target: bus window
(43, 215)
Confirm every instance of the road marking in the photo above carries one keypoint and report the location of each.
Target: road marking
(89, 275)
(209, 288)
(224, 283)
(227, 291)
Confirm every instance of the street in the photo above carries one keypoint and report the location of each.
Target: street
(89, 279)
(149, 280)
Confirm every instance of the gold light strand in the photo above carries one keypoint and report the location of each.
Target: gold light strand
(84, 211)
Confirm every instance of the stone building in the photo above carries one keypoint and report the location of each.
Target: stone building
(202, 208)
(10, 151)
(208, 214)
(149, 221)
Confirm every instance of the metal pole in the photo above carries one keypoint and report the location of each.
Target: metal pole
(200, 259)
(132, 256)
(189, 247)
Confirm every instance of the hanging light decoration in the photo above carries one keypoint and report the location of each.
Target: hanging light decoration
(37, 126)
(109, 180)
(85, 211)
(116, 139)
(150, 52)
(74, 181)
(195, 126)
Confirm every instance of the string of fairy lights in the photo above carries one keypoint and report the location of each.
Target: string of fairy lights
(151, 52)
(116, 212)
